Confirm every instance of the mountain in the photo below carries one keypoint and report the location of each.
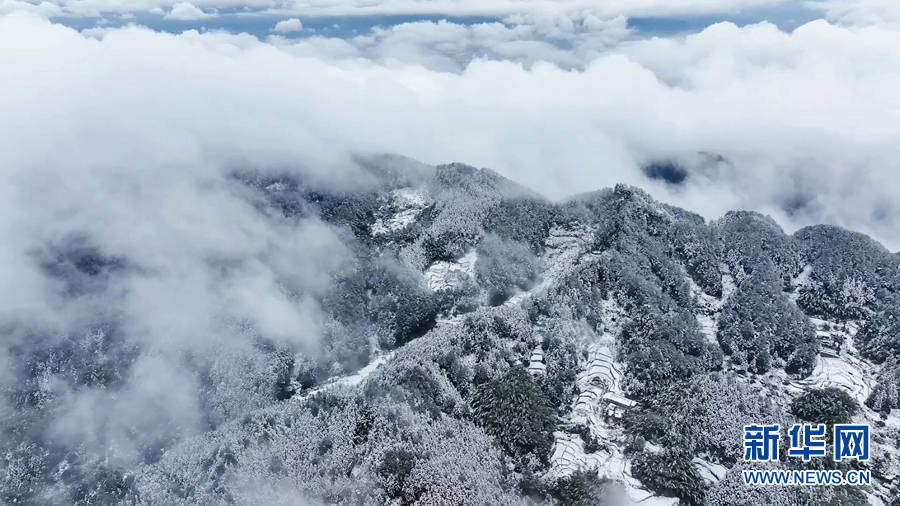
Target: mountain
(482, 345)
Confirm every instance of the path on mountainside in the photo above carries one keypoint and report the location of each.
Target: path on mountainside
(563, 249)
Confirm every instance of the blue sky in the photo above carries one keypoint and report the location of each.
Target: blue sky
(260, 22)
(786, 17)
(794, 100)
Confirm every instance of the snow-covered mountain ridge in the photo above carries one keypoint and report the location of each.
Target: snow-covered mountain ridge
(485, 346)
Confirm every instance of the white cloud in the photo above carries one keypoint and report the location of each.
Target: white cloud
(128, 138)
(288, 26)
(543, 8)
(860, 12)
(147, 183)
(449, 46)
(814, 107)
(550, 11)
(46, 9)
(186, 11)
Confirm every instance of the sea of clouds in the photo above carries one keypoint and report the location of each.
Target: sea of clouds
(126, 139)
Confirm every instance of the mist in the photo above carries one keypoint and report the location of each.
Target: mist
(120, 215)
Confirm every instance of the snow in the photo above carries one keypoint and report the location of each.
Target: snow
(599, 384)
(855, 375)
(349, 380)
(536, 363)
(456, 320)
(519, 298)
(884, 446)
(872, 499)
(841, 373)
(358, 377)
(711, 473)
(537, 367)
(801, 281)
(407, 204)
(848, 371)
(893, 419)
(618, 399)
(601, 368)
(563, 249)
(728, 284)
(708, 327)
(709, 307)
(569, 456)
(443, 275)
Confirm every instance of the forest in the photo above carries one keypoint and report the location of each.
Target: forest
(450, 413)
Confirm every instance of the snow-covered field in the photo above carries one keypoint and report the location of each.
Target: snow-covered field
(406, 205)
(443, 275)
(710, 472)
(600, 377)
(847, 371)
(563, 249)
(708, 307)
(349, 380)
(536, 363)
(844, 372)
(841, 366)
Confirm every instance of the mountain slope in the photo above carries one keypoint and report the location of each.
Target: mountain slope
(485, 346)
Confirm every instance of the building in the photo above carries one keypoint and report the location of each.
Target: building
(617, 405)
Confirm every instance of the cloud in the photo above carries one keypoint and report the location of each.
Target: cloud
(125, 142)
(141, 229)
(159, 404)
(800, 122)
(543, 8)
(46, 9)
(445, 45)
(627, 103)
(859, 12)
(548, 10)
(288, 26)
(186, 11)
